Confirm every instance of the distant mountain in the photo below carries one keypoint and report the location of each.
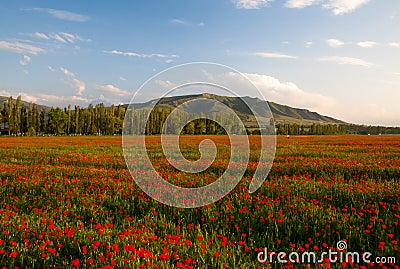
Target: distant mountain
(285, 117)
(281, 113)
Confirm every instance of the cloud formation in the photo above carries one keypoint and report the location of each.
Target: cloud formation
(334, 43)
(61, 37)
(289, 93)
(20, 48)
(25, 60)
(48, 99)
(301, 3)
(346, 60)
(394, 44)
(63, 15)
(274, 90)
(73, 82)
(273, 55)
(111, 89)
(370, 113)
(140, 55)
(251, 4)
(367, 44)
(167, 84)
(340, 7)
(178, 21)
(186, 23)
(39, 35)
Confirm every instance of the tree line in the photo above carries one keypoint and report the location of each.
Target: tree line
(313, 129)
(333, 129)
(16, 119)
(19, 119)
(157, 122)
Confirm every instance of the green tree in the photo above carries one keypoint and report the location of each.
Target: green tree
(36, 118)
(23, 120)
(11, 122)
(77, 127)
(31, 119)
(31, 131)
(42, 120)
(69, 123)
(4, 115)
(189, 128)
(57, 121)
(17, 115)
(110, 120)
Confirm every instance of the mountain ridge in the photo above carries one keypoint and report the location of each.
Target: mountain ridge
(282, 113)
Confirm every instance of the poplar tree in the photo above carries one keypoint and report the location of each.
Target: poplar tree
(11, 123)
(17, 115)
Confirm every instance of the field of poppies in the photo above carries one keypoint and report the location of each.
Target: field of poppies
(70, 202)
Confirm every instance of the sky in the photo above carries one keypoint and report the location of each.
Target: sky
(338, 57)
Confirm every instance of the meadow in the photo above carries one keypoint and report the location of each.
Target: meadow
(70, 202)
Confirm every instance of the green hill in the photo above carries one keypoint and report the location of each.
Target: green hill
(281, 113)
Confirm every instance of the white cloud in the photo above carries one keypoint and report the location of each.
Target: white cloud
(67, 72)
(111, 89)
(80, 85)
(140, 55)
(394, 44)
(288, 93)
(71, 38)
(346, 60)
(4, 93)
(40, 35)
(309, 44)
(186, 23)
(273, 55)
(61, 37)
(51, 69)
(178, 21)
(340, 7)
(63, 100)
(47, 99)
(63, 15)
(301, 3)
(367, 44)
(20, 48)
(251, 4)
(58, 38)
(73, 82)
(25, 60)
(334, 43)
(166, 84)
(371, 114)
(122, 78)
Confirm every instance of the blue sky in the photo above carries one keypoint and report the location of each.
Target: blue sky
(336, 57)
